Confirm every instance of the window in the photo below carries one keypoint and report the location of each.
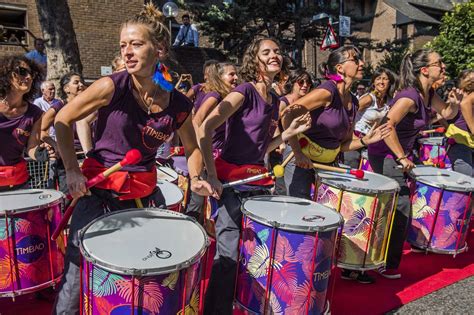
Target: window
(12, 25)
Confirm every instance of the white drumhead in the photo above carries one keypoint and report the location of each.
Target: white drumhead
(442, 178)
(291, 213)
(431, 140)
(166, 173)
(28, 199)
(128, 241)
(371, 182)
(173, 195)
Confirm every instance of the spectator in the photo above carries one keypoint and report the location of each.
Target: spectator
(38, 55)
(188, 34)
(13, 39)
(118, 64)
(361, 90)
(47, 98)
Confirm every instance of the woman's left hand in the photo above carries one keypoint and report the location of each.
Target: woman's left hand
(376, 134)
(203, 188)
(298, 125)
(455, 96)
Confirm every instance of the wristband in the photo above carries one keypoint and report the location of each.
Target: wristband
(196, 177)
(401, 158)
(362, 142)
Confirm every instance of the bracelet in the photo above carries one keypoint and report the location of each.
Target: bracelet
(362, 142)
(198, 177)
(401, 158)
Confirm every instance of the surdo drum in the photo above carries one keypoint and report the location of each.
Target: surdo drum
(172, 194)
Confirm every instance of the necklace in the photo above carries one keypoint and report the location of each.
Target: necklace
(148, 106)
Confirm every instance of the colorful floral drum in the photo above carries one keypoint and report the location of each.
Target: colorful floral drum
(29, 259)
(441, 210)
(433, 152)
(364, 162)
(168, 174)
(367, 206)
(141, 261)
(172, 194)
(286, 254)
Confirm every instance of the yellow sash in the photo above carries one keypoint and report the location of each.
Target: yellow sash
(317, 153)
(460, 136)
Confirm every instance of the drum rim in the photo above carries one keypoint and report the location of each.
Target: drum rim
(174, 171)
(438, 185)
(182, 193)
(143, 272)
(361, 190)
(426, 141)
(35, 208)
(291, 227)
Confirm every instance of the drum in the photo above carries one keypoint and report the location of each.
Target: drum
(29, 259)
(173, 195)
(364, 162)
(166, 174)
(286, 254)
(367, 206)
(433, 152)
(441, 210)
(141, 261)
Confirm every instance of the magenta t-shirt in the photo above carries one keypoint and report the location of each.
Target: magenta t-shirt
(250, 129)
(123, 125)
(330, 125)
(14, 134)
(410, 126)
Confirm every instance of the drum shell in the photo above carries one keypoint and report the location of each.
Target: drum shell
(27, 249)
(432, 151)
(367, 224)
(301, 268)
(440, 229)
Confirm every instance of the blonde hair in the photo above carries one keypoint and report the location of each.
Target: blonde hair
(214, 79)
(154, 20)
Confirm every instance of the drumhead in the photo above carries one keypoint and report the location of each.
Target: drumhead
(431, 141)
(291, 213)
(442, 178)
(166, 173)
(29, 199)
(173, 195)
(371, 183)
(143, 241)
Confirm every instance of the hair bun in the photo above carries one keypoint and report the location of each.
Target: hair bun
(151, 12)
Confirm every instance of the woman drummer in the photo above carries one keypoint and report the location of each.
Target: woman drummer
(250, 112)
(408, 115)
(333, 108)
(137, 109)
(20, 120)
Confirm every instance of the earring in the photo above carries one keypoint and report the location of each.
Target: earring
(162, 77)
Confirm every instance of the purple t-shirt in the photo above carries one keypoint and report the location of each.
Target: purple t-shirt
(198, 95)
(330, 125)
(123, 125)
(57, 106)
(285, 100)
(410, 126)
(250, 129)
(459, 121)
(14, 134)
(219, 134)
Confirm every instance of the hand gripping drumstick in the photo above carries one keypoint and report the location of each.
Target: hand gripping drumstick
(439, 130)
(359, 174)
(132, 157)
(277, 171)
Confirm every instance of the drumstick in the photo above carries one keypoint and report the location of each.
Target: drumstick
(359, 174)
(439, 130)
(277, 171)
(132, 157)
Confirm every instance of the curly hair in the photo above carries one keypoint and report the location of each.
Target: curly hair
(154, 20)
(8, 65)
(250, 70)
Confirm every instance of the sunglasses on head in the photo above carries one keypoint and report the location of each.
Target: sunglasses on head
(21, 71)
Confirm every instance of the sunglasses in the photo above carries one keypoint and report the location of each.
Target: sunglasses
(21, 71)
(355, 60)
(303, 81)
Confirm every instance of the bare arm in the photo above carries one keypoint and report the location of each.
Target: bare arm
(467, 105)
(190, 94)
(365, 102)
(203, 111)
(34, 139)
(450, 109)
(47, 122)
(84, 132)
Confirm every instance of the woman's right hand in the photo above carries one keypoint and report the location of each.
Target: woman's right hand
(407, 165)
(302, 160)
(76, 183)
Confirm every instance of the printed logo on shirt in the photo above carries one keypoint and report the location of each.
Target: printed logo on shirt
(156, 132)
(21, 135)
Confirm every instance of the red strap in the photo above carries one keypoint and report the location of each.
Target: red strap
(130, 185)
(13, 175)
(229, 172)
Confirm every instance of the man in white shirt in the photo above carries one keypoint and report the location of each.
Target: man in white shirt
(48, 91)
(188, 34)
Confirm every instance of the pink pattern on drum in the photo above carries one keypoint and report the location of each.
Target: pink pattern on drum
(299, 265)
(29, 260)
(440, 228)
(433, 152)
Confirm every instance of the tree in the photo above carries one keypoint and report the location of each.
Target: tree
(392, 58)
(455, 41)
(61, 44)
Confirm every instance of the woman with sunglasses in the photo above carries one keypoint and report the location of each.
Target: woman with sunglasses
(373, 106)
(137, 109)
(408, 115)
(20, 120)
(333, 108)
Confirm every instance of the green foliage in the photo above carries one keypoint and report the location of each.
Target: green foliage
(455, 41)
(392, 58)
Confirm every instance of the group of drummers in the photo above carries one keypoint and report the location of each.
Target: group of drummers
(234, 126)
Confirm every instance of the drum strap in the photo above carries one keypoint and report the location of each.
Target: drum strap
(129, 185)
(14, 175)
(230, 172)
